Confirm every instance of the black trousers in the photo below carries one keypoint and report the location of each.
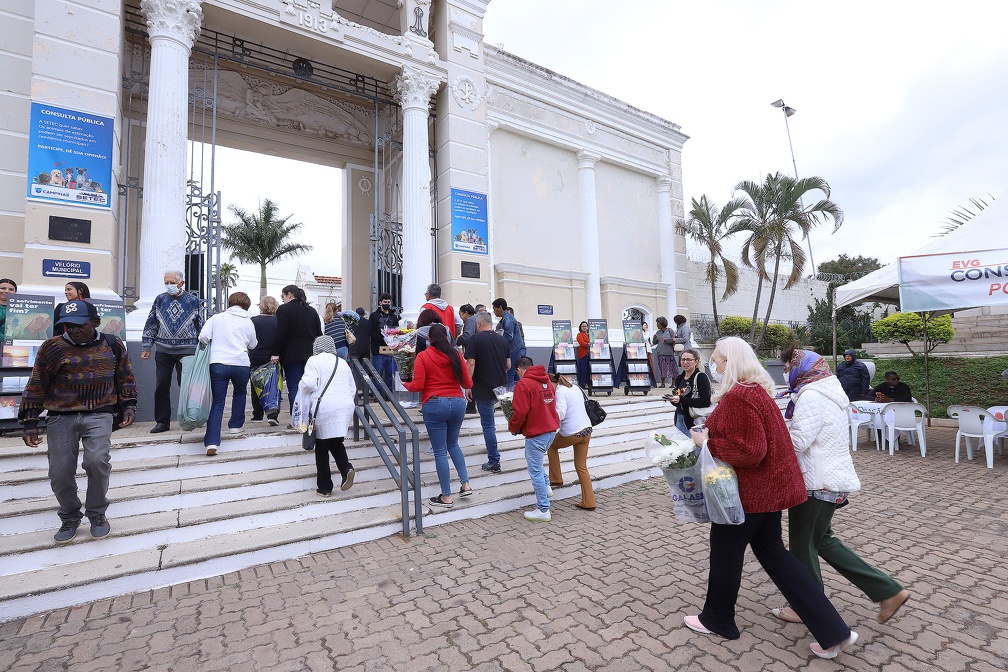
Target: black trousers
(164, 364)
(762, 531)
(324, 448)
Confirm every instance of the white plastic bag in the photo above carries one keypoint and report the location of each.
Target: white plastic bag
(720, 490)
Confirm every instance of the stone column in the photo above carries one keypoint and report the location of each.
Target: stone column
(415, 89)
(588, 214)
(173, 26)
(666, 231)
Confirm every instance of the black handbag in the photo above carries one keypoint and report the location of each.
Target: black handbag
(596, 414)
(308, 438)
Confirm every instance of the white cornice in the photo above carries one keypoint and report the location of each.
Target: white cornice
(524, 269)
(512, 72)
(629, 282)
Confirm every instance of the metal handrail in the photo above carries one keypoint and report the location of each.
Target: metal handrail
(374, 395)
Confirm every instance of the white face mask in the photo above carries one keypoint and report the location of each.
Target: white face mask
(172, 288)
(714, 374)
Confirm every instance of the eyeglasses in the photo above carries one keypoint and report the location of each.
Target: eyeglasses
(686, 359)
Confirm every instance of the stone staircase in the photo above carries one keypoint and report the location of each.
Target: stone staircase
(975, 336)
(178, 515)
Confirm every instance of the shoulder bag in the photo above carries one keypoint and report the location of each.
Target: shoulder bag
(596, 414)
(349, 335)
(308, 438)
(113, 342)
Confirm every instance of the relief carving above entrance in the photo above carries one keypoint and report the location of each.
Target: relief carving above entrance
(272, 104)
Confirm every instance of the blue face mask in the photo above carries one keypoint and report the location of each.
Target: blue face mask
(172, 288)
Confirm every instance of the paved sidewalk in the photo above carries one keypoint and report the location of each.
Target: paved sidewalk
(590, 591)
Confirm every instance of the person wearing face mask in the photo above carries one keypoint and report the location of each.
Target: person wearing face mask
(173, 325)
(381, 319)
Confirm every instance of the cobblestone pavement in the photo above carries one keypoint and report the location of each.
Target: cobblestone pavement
(590, 591)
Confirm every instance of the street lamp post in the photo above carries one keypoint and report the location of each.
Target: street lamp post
(788, 111)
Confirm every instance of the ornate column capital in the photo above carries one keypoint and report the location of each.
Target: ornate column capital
(587, 159)
(177, 20)
(664, 183)
(415, 88)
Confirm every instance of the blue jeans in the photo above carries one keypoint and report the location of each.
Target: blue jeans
(443, 418)
(535, 450)
(385, 366)
(680, 424)
(486, 413)
(220, 376)
(65, 434)
(342, 352)
(293, 373)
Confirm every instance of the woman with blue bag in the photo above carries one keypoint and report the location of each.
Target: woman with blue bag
(230, 336)
(746, 430)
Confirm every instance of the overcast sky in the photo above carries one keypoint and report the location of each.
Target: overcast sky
(901, 106)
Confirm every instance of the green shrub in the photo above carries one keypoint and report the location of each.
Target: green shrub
(778, 336)
(733, 325)
(906, 327)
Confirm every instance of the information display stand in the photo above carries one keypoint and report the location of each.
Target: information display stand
(29, 324)
(601, 370)
(564, 357)
(635, 370)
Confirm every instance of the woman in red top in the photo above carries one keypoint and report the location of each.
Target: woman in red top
(582, 354)
(439, 374)
(747, 431)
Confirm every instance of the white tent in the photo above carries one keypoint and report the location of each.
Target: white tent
(983, 232)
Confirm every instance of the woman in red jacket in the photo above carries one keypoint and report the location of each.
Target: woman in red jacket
(747, 431)
(439, 374)
(582, 355)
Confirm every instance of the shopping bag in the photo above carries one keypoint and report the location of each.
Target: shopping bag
(194, 391)
(267, 383)
(678, 461)
(720, 490)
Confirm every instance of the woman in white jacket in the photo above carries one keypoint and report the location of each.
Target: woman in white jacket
(231, 335)
(818, 422)
(329, 384)
(575, 430)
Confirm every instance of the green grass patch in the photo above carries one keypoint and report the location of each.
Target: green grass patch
(969, 381)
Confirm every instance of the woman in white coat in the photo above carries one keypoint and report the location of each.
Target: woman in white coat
(231, 335)
(575, 430)
(818, 423)
(328, 382)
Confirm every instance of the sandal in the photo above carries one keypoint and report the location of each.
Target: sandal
(439, 501)
(466, 493)
(786, 614)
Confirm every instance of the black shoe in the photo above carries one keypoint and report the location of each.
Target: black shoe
(438, 501)
(492, 466)
(160, 427)
(67, 531)
(255, 419)
(100, 526)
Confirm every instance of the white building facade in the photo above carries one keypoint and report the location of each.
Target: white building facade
(463, 164)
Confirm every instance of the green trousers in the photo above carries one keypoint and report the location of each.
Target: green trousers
(810, 537)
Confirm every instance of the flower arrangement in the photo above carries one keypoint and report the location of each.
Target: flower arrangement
(505, 395)
(403, 344)
(669, 454)
(720, 487)
(350, 317)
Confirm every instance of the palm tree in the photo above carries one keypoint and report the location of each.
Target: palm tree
(709, 227)
(773, 212)
(755, 216)
(226, 276)
(261, 238)
(961, 215)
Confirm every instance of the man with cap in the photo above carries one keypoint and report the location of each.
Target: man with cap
(81, 377)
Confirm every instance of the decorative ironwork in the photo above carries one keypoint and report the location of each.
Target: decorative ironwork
(386, 258)
(303, 68)
(634, 313)
(203, 234)
(417, 27)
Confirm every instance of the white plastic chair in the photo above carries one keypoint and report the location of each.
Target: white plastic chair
(902, 417)
(995, 430)
(870, 365)
(856, 418)
(971, 426)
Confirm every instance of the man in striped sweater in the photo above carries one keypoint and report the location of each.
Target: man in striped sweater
(81, 379)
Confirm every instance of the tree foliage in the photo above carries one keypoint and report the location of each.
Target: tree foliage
(777, 337)
(854, 324)
(851, 268)
(906, 327)
(961, 215)
(262, 237)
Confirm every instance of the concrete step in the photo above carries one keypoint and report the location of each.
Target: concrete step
(178, 515)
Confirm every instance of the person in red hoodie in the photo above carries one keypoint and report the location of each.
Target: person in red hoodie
(747, 431)
(439, 374)
(535, 417)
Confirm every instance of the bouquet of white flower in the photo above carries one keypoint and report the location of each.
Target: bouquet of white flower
(678, 462)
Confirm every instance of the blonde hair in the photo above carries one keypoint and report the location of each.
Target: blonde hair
(560, 379)
(330, 312)
(742, 367)
(268, 305)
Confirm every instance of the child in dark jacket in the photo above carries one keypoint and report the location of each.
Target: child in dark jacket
(535, 417)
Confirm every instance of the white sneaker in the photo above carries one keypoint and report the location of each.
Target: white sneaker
(538, 516)
(234, 430)
(549, 492)
(211, 450)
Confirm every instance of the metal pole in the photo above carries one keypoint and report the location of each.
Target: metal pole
(927, 372)
(787, 127)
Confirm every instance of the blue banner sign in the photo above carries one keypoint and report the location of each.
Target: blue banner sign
(69, 156)
(469, 221)
(65, 268)
(545, 309)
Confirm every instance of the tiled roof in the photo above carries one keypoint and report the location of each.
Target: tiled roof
(328, 279)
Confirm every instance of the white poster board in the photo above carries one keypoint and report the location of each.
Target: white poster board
(953, 281)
